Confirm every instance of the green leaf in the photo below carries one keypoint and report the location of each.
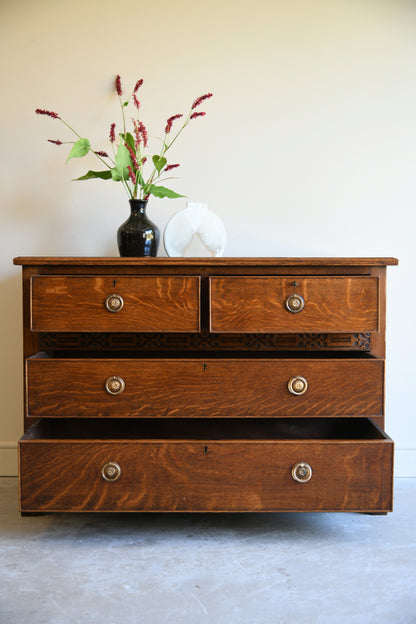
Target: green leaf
(115, 175)
(80, 148)
(104, 175)
(159, 162)
(129, 139)
(123, 161)
(162, 191)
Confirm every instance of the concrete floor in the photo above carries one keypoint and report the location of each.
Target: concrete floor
(222, 569)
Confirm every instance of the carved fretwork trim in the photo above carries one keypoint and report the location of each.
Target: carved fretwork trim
(203, 341)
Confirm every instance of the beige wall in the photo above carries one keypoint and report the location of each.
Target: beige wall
(308, 148)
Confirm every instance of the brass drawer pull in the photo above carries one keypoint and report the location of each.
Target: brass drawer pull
(295, 303)
(115, 385)
(301, 472)
(114, 303)
(111, 471)
(297, 385)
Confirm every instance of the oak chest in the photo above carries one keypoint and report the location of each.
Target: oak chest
(226, 384)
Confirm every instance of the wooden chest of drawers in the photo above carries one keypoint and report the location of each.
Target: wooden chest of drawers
(238, 384)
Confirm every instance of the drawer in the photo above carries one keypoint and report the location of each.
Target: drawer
(114, 303)
(339, 464)
(210, 387)
(294, 304)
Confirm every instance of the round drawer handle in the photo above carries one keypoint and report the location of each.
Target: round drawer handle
(114, 303)
(295, 303)
(301, 472)
(111, 471)
(115, 385)
(297, 385)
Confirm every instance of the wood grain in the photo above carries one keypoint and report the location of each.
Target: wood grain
(176, 388)
(257, 304)
(205, 430)
(151, 304)
(206, 476)
(245, 261)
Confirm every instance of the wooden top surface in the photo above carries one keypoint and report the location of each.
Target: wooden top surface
(224, 261)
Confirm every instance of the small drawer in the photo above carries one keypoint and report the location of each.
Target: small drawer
(282, 465)
(294, 304)
(209, 388)
(115, 303)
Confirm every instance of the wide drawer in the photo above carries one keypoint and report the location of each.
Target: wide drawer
(283, 465)
(211, 388)
(115, 303)
(294, 304)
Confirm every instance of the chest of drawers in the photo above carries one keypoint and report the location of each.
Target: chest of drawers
(226, 384)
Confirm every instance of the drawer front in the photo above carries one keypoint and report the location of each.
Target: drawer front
(114, 303)
(208, 388)
(295, 304)
(205, 476)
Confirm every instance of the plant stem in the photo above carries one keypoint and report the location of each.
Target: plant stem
(165, 147)
(70, 127)
(122, 114)
(100, 158)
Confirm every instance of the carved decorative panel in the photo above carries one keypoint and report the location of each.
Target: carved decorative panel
(203, 340)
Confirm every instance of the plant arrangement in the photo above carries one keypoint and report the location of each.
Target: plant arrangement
(129, 160)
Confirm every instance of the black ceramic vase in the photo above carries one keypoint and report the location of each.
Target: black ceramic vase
(138, 236)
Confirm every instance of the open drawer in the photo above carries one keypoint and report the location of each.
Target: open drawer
(314, 464)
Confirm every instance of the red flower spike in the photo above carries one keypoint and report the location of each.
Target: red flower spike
(201, 99)
(132, 156)
(112, 132)
(138, 85)
(136, 133)
(140, 133)
(143, 133)
(102, 154)
(118, 85)
(136, 101)
(169, 167)
(170, 122)
(194, 115)
(132, 175)
(57, 142)
(41, 111)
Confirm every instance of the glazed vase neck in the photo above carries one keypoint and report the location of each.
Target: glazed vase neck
(138, 205)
